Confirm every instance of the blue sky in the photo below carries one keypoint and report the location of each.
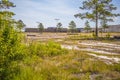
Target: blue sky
(46, 11)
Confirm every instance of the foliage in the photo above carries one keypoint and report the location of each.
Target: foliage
(10, 53)
(100, 10)
(72, 26)
(48, 49)
(108, 35)
(87, 26)
(6, 4)
(41, 27)
(67, 65)
(59, 27)
(10, 43)
(45, 61)
(20, 25)
(116, 67)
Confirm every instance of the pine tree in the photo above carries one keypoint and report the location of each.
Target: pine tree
(41, 27)
(87, 26)
(59, 27)
(72, 26)
(20, 25)
(98, 9)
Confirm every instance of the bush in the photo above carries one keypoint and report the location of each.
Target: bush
(10, 52)
(116, 67)
(48, 49)
(108, 36)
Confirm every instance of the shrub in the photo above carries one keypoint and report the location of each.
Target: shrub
(10, 53)
(108, 36)
(48, 49)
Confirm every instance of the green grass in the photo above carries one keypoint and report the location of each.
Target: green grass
(45, 49)
(48, 61)
(70, 65)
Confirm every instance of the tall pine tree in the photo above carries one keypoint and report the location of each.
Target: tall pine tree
(96, 9)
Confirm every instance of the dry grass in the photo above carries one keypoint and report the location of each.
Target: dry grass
(70, 65)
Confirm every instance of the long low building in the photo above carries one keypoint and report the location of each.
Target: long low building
(111, 28)
(51, 29)
(31, 30)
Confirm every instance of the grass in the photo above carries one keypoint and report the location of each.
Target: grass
(45, 49)
(72, 65)
(48, 61)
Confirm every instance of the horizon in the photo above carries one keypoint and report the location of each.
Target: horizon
(46, 11)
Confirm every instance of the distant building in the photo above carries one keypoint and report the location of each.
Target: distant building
(113, 28)
(80, 29)
(64, 30)
(51, 29)
(31, 30)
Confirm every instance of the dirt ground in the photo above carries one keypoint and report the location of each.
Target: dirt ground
(45, 36)
(104, 50)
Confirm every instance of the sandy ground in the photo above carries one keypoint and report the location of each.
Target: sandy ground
(90, 46)
(46, 36)
(101, 48)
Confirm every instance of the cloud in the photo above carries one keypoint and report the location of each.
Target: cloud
(45, 11)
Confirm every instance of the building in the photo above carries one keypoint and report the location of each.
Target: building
(113, 28)
(64, 30)
(80, 29)
(51, 29)
(31, 30)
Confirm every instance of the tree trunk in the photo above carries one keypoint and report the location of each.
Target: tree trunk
(96, 31)
(96, 21)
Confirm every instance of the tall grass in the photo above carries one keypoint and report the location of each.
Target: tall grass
(71, 65)
(45, 49)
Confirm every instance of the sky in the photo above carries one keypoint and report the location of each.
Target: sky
(31, 12)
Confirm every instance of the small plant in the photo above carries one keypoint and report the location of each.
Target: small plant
(48, 49)
(108, 36)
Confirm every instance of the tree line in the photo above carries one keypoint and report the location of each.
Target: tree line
(71, 28)
(11, 41)
(98, 11)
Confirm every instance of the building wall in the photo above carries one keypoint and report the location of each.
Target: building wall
(114, 28)
(31, 30)
(111, 28)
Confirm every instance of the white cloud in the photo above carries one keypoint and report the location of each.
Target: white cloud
(32, 11)
(45, 11)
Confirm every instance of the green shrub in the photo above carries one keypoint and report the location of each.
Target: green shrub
(10, 52)
(108, 36)
(116, 67)
(86, 77)
(94, 66)
(48, 49)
